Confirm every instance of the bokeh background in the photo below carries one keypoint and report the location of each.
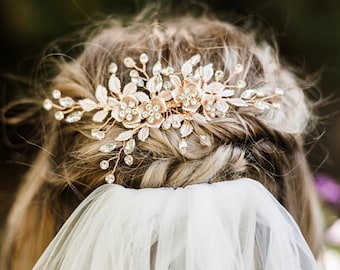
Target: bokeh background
(308, 34)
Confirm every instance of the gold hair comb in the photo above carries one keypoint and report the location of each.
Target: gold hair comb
(165, 99)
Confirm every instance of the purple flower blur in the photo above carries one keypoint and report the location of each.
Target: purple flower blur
(328, 188)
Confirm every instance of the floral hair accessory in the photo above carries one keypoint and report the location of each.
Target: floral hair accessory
(164, 99)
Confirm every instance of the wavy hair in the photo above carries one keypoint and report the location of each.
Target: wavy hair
(268, 149)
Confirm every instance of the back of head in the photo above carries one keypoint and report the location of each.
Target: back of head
(223, 144)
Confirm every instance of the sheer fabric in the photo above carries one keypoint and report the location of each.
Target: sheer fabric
(227, 225)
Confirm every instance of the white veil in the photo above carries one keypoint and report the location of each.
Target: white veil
(231, 225)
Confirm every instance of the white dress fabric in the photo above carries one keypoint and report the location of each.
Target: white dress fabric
(231, 225)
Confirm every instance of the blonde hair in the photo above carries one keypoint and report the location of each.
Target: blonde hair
(267, 148)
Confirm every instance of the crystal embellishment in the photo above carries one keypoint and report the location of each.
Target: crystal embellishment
(129, 147)
(98, 134)
(166, 125)
(241, 84)
(113, 68)
(110, 178)
(194, 60)
(219, 74)
(66, 102)
(129, 62)
(248, 94)
(74, 117)
(144, 58)
(56, 94)
(104, 164)
(107, 148)
(59, 115)
(128, 160)
(48, 104)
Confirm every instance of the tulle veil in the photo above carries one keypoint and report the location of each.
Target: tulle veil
(231, 225)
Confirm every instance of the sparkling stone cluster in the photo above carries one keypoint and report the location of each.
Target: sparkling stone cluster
(164, 99)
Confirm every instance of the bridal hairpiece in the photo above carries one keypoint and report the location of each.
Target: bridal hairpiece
(166, 99)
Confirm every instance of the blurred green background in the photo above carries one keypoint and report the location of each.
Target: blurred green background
(308, 33)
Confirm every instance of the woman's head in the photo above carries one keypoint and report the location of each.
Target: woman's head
(267, 147)
(172, 43)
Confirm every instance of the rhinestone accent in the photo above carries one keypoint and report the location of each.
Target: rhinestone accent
(166, 125)
(56, 94)
(97, 134)
(219, 74)
(59, 115)
(110, 178)
(113, 68)
(104, 164)
(134, 74)
(74, 117)
(241, 84)
(47, 104)
(189, 96)
(107, 147)
(129, 62)
(130, 147)
(194, 60)
(151, 119)
(143, 58)
(66, 102)
(128, 160)
(248, 94)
